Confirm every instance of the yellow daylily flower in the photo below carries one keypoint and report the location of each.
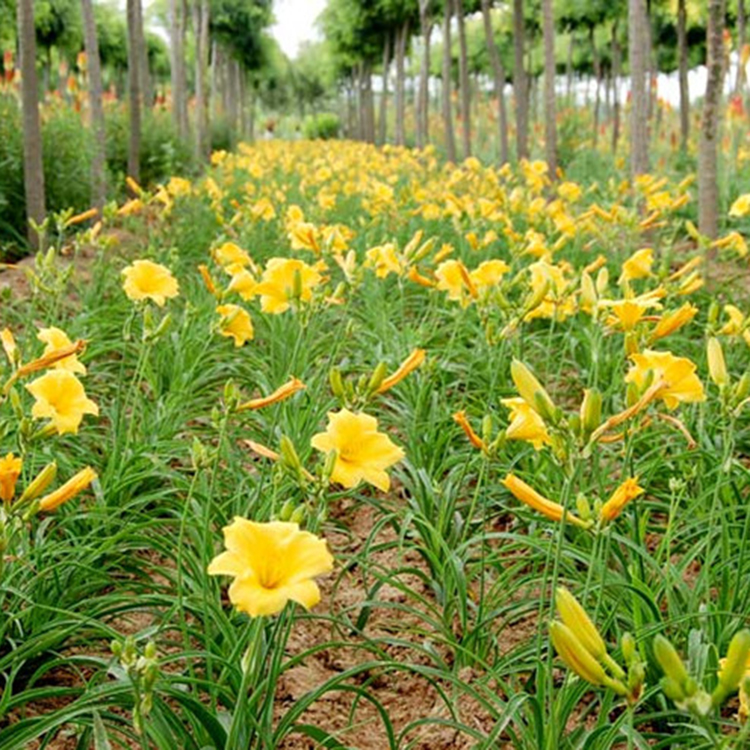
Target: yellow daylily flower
(145, 279)
(677, 375)
(235, 323)
(61, 398)
(638, 265)
(271, 563)
(362, 453)
(10, 470)
(525, 423)
(57, 340)
(626, 492)
(283, 281)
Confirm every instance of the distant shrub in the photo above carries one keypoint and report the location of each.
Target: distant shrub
(325, 126)
(163, 153)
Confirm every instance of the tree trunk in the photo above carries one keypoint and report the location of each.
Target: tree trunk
(650, 61)
(708, 191)
(33, 173)
(520, 85)
(147, 90)
(498, 76)
(200, 28)
(383, 119)
(682, 56)
(639, 104)
(741, 40)
(134, 91)
(402, 36)
(463, 72)
(369, 104)
(177, 12)
(569, 70)
(598, 75)
(616, 66)
(423, 99)
(99, 154)
(550, 123)
(450, 138)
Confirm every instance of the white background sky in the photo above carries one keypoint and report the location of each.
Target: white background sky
(295, 22)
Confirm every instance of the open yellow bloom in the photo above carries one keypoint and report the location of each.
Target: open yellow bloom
(450, 279)
(626, 492)
(272, 563)
(10, 470)
(283, 281)
(362, 453)
(231, 256)
(638, 265)
(489, 273)
(74, 486)
(741, 207)
(627, 313)
(677, 374)
(525, 423)
(235, 323)
(145, 279)
(55, 339)
(385, 260)
(61, 398)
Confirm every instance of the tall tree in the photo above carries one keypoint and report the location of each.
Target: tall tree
(520, 85)
(423, 97)
(463, 74)
(134, 90)
(639, 103)
(550, 122)
(708, 154)
(450, 138)
(682, 65)
(741, 41)
(498, 76)
(177, 32)
(200, 29)
(99, 156)
(383, 116)
(33, 174)
(402, 40)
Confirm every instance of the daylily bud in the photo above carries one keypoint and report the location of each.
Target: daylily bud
(39, 484)
(289, 454)
(530, 388)
(733, 668)
(577, 658)
(714, 310)
(377, 377)
(583, 507)
(74, 486)
(627, 644)
(335, 381)
(574, 616)
(717, 367)
(670, 662)
(591, 410)
(742, 389)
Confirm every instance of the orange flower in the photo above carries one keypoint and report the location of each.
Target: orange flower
(281, 393)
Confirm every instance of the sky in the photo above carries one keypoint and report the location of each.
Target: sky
(295, 23)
